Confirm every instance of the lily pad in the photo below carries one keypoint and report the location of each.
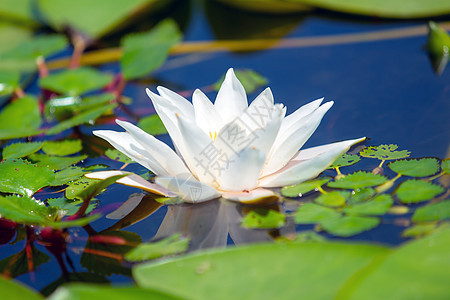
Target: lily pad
(67, 175)
(19, 150)
(311, 213)
(86, 189)
(21, 118)
(360, 195)
(62, 148)
(445, 165)
(174, 244)
(333, 199)
(419, 230)
(263, 218)
(412, 191)
(15, 290)
(415, 167)
(145, 52)
(116, 155)
(9, 81)
(25, 210)
(357, 180)
(55, 162)
(303, 188)
(152, 125)
(384, 152)
(345, 160)
(349, 225)
(433, 212)
(74, 82)
(438, 45)
(378, 206)
(18, 10)
(250, 79)
(21, 177)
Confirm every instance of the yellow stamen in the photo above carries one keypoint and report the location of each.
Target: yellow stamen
(213, 137)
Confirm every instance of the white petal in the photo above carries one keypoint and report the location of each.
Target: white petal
(231, 99)
(289, 142)
(242, 170)
(159, 151)
(132, 180)
(189, 189)
(126, 207)
(126, 144)
(256, 196)
(307, 164)
(300, 113)
(206, 115)
(260, 111)
(178, 101)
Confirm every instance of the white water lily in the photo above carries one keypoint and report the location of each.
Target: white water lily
(229, 148)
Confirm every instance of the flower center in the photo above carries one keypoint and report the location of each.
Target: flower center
(213, 136)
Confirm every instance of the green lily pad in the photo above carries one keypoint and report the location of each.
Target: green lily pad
(21, 118)
(9, 81)
(85, 117)
(75, 82)
(86, 189)
(18, 10)
(145, 52)
(19, 150)
(357, 180)
(412, 191)
(62, 148)
(219, 272)
(438, 45)
(15, 290)
(67, 175)
(311, 213)
(433, 212)
(25, 210)
(21, 177)
(250, 79)
(360, 195)
(116, 155)
(345, 160)
(445, 165)
(333, 199)
(55, 162)
(384, 152)
(263, 218)
(419, 230)
(171, 245)
(349, 225)
(303, 188)
(415, 167)
(152, 125)
(378, 206)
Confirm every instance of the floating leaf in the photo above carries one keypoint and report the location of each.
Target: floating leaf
(419, 230)
(303, 188)
(360, 195)
(438, 45)
(345, 160)
(66, 175)
(269, 6)
(357, 180)
(349, 225)
(263, 218)
(171, 245)
(118, 156)
(145, 52)
(219, 272)
(412, 191)
(378, 206)
(250, 79)
(25, 210)
(83, 118)
(92, 188)
(22, 177)
(433, 212)
(334, 198)
(152, 124)
(415, 167)
(55, 162)
(15, 290)
(19, 150)
(311, 213)
(68, 206)
(74, 82)
(9, 81)
(21, 118)
(445, 165)
(62, 148)
(384, 152)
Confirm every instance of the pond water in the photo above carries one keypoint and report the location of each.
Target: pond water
(383, 89)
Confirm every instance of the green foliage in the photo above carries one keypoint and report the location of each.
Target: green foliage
(445, 165)
(357, 180)
(145, 52)
(263, 218)
(75, 82)
(19, 150)
(360, 195)
(86, 189)
(68, 207)
(250, 79)
(349, 225)
(152, 124)
(438, 45)
(62, 148)
(21, 177)
(17, 264)
(174, 244)
(384, 152)
(20, 118)
(378, 206)
(412, 191)
(67, 175)
(433, 212)
(15, 290)
(333, 199)
(18, 10)
(415, 167)
(55, 162)
(9, 81)
(345, 160)
(303, 188)
(419, 230)
(311, 213)
(115, 154)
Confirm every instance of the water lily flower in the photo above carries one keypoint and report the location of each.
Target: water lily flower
(229, 148)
